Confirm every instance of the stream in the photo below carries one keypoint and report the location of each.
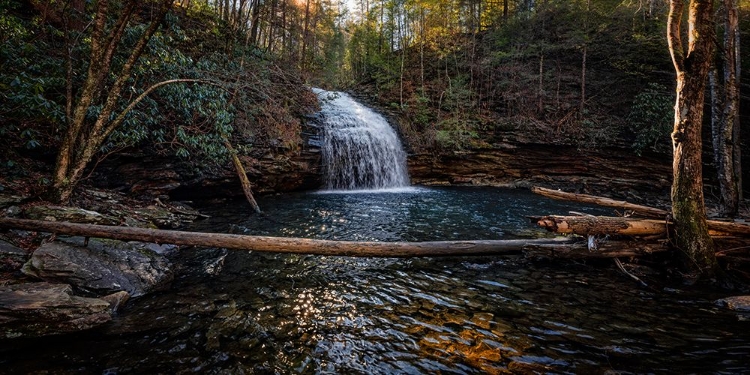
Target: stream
(234, 312)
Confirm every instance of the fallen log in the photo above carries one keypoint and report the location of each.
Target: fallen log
(718, 227)
(602, 225)
(284, 245)
(605, 249)
(645, 211)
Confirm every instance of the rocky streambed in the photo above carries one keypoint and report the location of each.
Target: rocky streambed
(52, 285)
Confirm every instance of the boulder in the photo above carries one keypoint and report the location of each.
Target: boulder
(12, 258)
(42, 309)
(736, 303)
(103, 267)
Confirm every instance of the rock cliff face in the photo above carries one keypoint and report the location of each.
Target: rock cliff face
(614, 171)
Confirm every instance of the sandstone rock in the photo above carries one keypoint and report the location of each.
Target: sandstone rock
(102, 267)
(11, 258)
(612, 171)
(70, 214)
(41, 309)
(736, 303)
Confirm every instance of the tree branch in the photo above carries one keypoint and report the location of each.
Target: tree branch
(121, 117)
(674, 39)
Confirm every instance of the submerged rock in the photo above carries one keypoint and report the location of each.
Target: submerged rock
(103, 267)
(736, 303)
(12, 258)
(42, 309)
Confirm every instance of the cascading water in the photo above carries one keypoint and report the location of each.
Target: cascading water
(360, 149)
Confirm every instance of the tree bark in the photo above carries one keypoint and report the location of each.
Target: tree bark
(729, 180)
(603, 225)
(691, 66)
(285, 245)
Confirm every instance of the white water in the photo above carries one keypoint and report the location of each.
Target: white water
(360, 149)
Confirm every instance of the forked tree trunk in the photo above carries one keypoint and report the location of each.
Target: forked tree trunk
(82, 138)
(692, 66)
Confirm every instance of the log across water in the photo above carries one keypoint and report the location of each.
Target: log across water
(557, 247)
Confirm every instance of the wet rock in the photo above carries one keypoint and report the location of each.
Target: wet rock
(11, 258)
(736, 303)
(69, 214)
(102, 267)
(42, 309)
(116, 300)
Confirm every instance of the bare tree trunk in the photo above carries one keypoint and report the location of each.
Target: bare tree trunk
(540, 108)
(285, 244)
(246, 188)
(731, 191)
(691, 66)
(724, 116)
(585, 55)
(304, 35)
(421, 49)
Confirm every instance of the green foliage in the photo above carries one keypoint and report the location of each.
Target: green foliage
(651, 119)
(456, 134)
(30, 83)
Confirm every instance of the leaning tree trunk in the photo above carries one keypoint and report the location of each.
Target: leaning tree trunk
(691, 66)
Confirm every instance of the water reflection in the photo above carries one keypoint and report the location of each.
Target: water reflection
(268, 313)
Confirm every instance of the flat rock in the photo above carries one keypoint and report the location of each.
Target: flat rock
(10, 200)
(736, 303)
(42, 309)
(103, 267)
(12, 258)
(69, 214)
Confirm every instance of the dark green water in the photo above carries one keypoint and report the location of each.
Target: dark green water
(242, 312)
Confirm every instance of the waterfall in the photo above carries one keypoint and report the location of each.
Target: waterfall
(360, 149)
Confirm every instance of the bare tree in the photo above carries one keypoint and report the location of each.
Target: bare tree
(691, 65)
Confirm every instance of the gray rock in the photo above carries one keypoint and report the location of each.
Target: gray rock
(10, 200)
(42, 309)
(736, 303)
(70, 214)
(11, 258)
(103, 267)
